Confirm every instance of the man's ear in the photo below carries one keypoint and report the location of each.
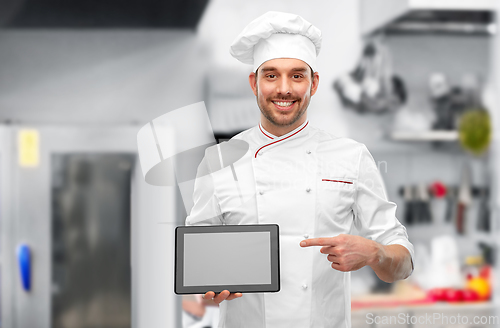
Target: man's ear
(253, 83)
(315, 83)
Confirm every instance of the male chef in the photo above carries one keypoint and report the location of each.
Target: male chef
(317, 186)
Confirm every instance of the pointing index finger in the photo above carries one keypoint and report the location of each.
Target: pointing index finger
(318, 242)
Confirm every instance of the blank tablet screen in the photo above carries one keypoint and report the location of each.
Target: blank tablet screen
(237, 258)
(250, 260)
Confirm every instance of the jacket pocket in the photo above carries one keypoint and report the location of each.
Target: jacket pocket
(331, 183)
(335, 200)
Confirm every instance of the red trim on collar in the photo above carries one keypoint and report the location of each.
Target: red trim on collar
(264, 132)
(280, 140)
(348, 182)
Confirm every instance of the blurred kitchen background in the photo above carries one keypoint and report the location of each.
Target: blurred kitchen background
(85, 242)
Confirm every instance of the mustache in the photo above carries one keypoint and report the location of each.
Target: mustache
(282, 99)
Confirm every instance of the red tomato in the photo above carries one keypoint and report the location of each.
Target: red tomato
(437, 294)
(470, 295)
(454, 295)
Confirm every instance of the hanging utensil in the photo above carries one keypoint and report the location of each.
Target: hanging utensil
(451, 197)
(483, 219)
(464, 199)
(424, 212)
(408, 198)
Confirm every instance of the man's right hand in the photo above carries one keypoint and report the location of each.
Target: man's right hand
(225, 295)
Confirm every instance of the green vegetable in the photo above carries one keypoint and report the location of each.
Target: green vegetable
(475, 130)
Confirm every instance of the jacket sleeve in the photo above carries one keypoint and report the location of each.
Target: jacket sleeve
(206, 209)
(374, 215)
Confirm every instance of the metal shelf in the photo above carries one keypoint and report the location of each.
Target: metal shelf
(437, 135)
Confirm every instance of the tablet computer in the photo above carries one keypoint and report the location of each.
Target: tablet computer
(238, 258)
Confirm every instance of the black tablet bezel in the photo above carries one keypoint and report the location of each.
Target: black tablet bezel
(274, 286)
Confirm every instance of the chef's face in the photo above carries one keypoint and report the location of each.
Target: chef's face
(283, 88)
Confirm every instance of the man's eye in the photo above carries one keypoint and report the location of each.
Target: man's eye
(297, 76)
(272, 76)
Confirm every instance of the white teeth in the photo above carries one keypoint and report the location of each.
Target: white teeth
(283, 104)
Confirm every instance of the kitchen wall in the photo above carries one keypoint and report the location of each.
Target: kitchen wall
(97, 76)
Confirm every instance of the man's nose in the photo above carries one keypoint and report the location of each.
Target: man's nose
(284, 87)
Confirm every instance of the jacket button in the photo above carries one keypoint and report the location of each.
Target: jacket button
(261, 192)
(306, 236)
(308, 189)
(260, 153)
(304, 286)
(308, 151)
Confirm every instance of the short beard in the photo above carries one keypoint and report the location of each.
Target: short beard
(275, 122)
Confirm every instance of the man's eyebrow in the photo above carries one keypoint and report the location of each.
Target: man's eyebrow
(270, 69)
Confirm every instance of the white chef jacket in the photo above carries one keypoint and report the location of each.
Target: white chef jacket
(312, 184)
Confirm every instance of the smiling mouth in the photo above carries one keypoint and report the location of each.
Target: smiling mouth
(284, 105)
